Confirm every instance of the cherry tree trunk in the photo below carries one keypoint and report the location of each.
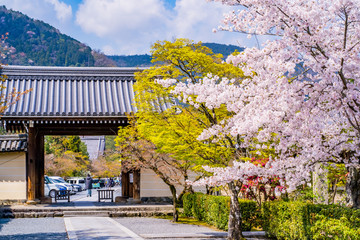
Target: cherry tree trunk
(175, 203)
(320, 184)
(235, 219)
(353, 187)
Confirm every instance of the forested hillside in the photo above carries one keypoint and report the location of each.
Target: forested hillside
(33, 42)
(144, 60)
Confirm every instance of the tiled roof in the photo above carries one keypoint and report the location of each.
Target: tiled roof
(70, 91)
(13, 143)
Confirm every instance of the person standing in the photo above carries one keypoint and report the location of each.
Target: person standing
(88, 184)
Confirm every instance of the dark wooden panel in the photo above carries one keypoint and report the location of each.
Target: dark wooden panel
(31, 166)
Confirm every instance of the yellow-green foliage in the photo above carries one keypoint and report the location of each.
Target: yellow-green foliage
(174, 129)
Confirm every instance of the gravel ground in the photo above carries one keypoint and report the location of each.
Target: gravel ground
(33, 228)
(161, 226)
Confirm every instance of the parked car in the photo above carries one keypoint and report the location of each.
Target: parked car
(102, 182)
(96, 184)
(51, 187)
(78, 181)
(61, 181)
(76, 187)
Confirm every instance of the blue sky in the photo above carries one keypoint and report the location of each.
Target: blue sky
(124, 27)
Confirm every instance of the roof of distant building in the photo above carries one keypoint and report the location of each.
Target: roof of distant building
(13, 143)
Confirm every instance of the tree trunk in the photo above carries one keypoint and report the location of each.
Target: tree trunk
(175, 203)
(235, 219)
(353, 187)
(320, 184)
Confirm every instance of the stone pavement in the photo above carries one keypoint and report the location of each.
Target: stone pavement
(103, 228)
(85, 218)
(88, 228)
(141, 228)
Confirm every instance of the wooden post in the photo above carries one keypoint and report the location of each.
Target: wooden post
(136, 185)
(125, 184)
(31, 165)
(40, 167)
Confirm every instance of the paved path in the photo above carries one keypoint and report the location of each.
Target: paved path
(101, 228)
(86, 228)
(80, 199)
(32, 229)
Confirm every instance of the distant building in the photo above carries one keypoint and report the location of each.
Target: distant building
(13, 167)
(95, 145)
(66, 101)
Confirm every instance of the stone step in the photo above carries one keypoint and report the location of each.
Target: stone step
(86, 214)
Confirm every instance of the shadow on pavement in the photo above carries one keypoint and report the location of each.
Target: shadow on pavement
(3, 221)
(37, 236)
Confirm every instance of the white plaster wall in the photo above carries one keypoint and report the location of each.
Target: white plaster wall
(152, 186)
(13, 176)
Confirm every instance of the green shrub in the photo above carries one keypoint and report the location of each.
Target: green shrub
(215, 210)
(299, 220)
(331, 228)
(285, 220)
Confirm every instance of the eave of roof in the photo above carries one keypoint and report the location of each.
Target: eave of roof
(13, 143)
(68, 71)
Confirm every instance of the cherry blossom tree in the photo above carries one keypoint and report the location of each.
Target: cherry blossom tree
(301, 94)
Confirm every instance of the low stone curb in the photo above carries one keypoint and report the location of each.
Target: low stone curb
(126, 211)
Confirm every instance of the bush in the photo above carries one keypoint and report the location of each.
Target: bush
(299, 220)
(215, 210)
(282, 220)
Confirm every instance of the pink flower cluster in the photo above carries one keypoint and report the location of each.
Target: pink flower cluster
(302, 92)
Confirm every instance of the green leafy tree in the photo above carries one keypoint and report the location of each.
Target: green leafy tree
(163, 124)
(66, 156)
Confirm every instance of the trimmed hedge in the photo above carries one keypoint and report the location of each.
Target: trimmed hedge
(299, 220)
(214, 210)
(282, 220)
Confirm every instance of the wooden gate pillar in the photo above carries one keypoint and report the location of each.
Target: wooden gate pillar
(136, 185)
(31, 165)
(40, 167)
(125, 184)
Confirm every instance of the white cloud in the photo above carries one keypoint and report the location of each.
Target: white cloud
(63, 11)
(108, 50)
(197, 18)
(106, 17)
(131, 25)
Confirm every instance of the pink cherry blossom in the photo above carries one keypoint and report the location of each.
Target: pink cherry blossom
(303, 92)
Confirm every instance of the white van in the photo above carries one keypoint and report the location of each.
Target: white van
(77, 180)
(51, 186)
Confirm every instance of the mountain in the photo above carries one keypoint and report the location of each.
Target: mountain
(33, 42)
(144, 60)
(224, 49)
